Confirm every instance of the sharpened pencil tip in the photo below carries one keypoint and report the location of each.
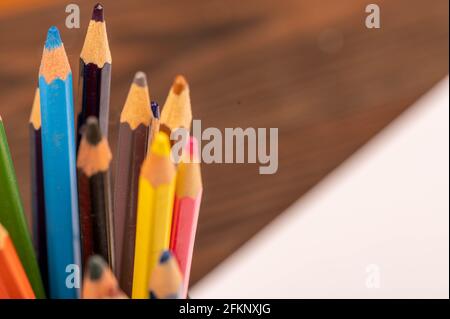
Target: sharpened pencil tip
(95, 267)
(140, 79)
(155, 109)
(53, 40)
(97, 13)
(179, 84)
(92, 131)
(165, 256)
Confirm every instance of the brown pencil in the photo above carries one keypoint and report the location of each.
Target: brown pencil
(94, 158)
(95, 73)
(37, 189)
(135, 120)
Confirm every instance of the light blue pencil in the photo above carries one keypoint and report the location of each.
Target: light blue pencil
(60, 183)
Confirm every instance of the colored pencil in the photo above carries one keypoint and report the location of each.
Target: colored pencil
(13, 218)
(177, 112)
(188, 195)
(37, 189)
(58, 153)
(154, 129)
(135, 120)
(99, 281)
(12, 274)
(95, 73)
(94, 194)
(154, 215)
(166, 281)
(3, 292)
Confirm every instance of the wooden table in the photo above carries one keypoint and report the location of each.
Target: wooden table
(310, 68)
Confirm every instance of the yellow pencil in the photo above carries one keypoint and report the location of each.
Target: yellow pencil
(154, 214)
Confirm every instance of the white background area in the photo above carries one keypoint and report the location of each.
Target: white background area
(386, 206)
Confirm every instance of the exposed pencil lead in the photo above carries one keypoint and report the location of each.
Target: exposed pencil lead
(179, 84)
(92, 131)
(155, 109)
(165, 256)
(53, 40)
(140, 79)
(97, 13)
(95, 267)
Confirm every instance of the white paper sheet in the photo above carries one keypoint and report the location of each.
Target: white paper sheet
(376, 227)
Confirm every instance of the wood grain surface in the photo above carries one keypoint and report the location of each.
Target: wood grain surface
(310, 68)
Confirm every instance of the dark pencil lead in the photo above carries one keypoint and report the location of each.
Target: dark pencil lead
(97, 13)
(165, 256)
(95, 267)
(179, 84)
(53, 40)
(92, 131)
(155, 109)
(140, 79)
(152, 295)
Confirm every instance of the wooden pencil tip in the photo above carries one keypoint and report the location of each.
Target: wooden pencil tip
(35, 116)
(92, 131)
(165, 257)
(97, 13)
(53, 40)
(95, 267)
(140, 79)
(179, 84)
(155, 109)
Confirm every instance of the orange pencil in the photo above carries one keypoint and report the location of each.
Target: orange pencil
(3, 291)
(188, 195)
(13, 279)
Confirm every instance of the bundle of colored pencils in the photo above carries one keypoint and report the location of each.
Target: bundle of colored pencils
(131, 239)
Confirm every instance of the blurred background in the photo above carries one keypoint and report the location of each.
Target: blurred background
(310, 68)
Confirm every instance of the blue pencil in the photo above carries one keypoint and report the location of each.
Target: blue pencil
(166, 281)
(60, 183)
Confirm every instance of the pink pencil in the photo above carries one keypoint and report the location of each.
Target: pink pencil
(188, 195)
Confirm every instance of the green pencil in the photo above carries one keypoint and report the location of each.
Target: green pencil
(12, 216)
